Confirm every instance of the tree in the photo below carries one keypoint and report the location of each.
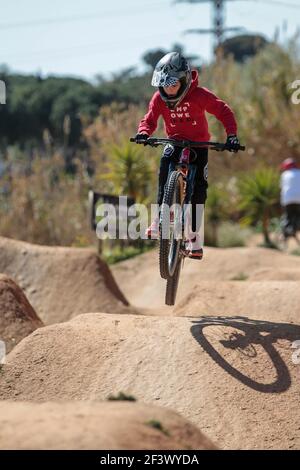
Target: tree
(152, 57)
(243, 46)
(259, 193)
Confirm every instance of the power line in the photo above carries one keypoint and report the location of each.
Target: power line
(83, 48)
(273, 2)
(86, 48)
(74, 18)
(218, 28)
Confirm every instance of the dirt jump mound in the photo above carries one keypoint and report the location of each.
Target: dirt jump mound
(17, 317)
(234, 377)
(92, 425)
(61, 282)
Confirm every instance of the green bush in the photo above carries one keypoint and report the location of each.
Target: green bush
(240, 277)
(121, 397)
(229, 235)
(216, 210)
(259, 193)
(118, 254)
(128, 171)
(157, 425)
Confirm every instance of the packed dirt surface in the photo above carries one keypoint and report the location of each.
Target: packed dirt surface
(231, 376)
(140, 281)
(280, 274)
(17, 317)
(275, 299)
(60, 282)
(226, 357)
(86, 425)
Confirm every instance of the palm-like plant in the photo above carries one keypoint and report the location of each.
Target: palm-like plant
(259, 194)
(216, 209)
(129, 172)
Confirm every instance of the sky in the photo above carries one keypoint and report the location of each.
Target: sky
(85, 38)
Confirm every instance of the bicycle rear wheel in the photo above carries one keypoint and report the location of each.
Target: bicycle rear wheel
(172, 284)
(278, 238)
(170, 227)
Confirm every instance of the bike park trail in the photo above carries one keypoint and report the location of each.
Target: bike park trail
(222, 357)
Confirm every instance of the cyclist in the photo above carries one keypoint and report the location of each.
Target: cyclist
(290, 197)
(182, 105)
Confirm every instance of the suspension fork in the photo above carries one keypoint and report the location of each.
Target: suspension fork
(184, 169)
(188, 171)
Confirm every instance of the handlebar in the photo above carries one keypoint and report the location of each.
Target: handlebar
(155, 142)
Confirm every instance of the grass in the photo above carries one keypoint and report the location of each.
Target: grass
(232, 235)
(117, 254)
(121, 397)
(240, 277)
(296, 252)
(271, 246)
(153, 423)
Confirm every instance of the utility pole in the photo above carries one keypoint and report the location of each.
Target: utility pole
(218, 29)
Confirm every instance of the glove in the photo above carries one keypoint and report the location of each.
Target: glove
(232, 143)
(141, 138)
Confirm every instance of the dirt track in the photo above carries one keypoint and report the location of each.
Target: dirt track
(88, 425)
(140, 281)
(18, 319)
(231, 376)
(59, 282)
(222, 357)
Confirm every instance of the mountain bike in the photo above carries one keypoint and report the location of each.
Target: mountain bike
(178, 193)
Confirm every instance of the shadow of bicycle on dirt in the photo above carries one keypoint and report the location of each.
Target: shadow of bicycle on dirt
(248, 337)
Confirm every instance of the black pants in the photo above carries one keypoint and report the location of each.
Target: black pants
(168, 162)
(291, 220)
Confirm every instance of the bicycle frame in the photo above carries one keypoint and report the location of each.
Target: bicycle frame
(188, 171)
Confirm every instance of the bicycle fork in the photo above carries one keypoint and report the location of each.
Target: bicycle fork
(188, 172)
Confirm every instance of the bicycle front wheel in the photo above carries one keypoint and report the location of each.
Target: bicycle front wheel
(172, 284)
(171, 225)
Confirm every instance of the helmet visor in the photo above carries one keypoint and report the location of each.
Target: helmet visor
(162, 79)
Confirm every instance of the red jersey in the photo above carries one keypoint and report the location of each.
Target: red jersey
(188, 119)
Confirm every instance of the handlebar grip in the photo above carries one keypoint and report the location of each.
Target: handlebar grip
(132, 139)
(242, 147)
